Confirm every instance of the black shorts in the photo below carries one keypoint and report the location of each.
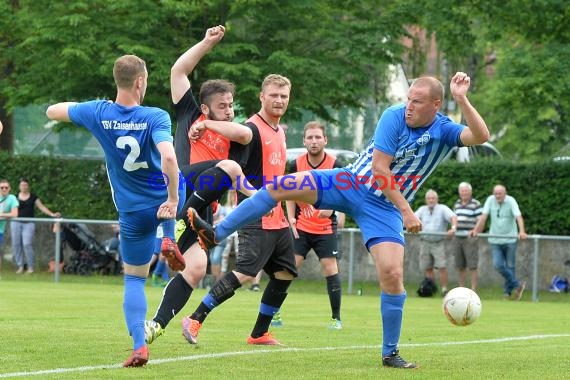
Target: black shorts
(192, 172)
(270, 250)
(323, 245)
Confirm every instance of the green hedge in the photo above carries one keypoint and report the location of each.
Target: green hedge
(541, 189)
(79, 188)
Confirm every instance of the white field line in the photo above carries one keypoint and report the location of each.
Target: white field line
(277, 350)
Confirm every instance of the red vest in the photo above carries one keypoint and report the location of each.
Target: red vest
(211, 146)
(314, 224)
(274, 153)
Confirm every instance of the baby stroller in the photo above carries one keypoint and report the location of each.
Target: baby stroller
(90, 256)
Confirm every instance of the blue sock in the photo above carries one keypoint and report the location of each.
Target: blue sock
(168, 228)
(392, 310)
(248, 211)
(134, 308)
(158, 268)
(268, 309)
(165, 272)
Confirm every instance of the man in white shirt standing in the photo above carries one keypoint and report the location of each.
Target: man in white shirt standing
(435, 217)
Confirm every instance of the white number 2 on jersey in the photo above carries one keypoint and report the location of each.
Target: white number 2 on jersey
(130, 164)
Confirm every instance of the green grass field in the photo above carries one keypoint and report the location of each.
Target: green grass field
(74, 329)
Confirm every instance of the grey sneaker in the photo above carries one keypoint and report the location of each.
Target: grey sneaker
(396, 361)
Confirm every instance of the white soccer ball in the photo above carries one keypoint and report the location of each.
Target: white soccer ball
(462, 306)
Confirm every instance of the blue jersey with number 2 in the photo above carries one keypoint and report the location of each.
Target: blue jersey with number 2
(128, 136)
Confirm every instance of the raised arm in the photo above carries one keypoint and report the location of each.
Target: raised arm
(477, 131)
(185, 64)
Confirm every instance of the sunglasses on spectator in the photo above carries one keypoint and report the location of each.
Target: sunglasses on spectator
(4, 187)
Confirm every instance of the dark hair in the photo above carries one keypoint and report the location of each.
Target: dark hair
(24, 179)
(215, 86)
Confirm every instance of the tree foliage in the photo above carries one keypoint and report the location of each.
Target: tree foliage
(517, 53)
(333, 51)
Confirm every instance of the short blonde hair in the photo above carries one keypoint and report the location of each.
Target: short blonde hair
(276, 79)
(436, 89)
(126, 69)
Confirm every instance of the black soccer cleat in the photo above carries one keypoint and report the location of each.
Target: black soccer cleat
(205, 231)
(396, 361)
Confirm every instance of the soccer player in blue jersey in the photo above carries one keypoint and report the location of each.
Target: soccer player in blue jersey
(143, 174)
(410, 140)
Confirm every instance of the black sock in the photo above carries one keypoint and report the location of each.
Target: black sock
(334, 288)
(273, 297)
(222, 290)
(209, 186)
(175, 296)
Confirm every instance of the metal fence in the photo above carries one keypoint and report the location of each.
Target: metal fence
(532, 256)
(357, 263)
(58, 243)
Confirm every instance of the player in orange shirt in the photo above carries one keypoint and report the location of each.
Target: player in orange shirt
(266, 243)
(317, 229)
(202, 144)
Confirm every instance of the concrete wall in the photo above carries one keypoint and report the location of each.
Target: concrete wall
(552, 255)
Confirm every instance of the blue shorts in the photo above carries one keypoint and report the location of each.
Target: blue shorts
(379, 220)
(156, 246)
(138, 232)
(165, 229)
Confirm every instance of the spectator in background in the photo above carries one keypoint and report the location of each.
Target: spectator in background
(8, 209)
(216, 253)
(23, 232)
(435, 217)
(505, 216)
(463, 247)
